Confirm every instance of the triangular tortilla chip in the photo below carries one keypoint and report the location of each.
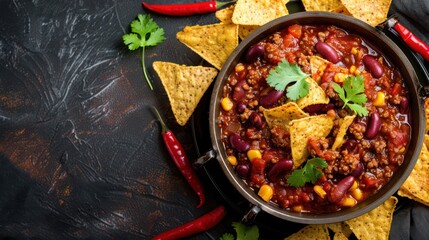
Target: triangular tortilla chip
(316, 95)
(344, 126)
(225, 14)
(214, 43)
(185, 85)
(311, 232)
(321, 5)
(303, 128)
(369, 11)
(376, 223)
(427, 113)
(282, 115)
(245, 30)
(258, 12)
(342, 10)
(317, 67)
(340, 227)
(416, 186)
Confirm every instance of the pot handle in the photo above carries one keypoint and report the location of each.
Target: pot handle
(251, 214)
(201, 161)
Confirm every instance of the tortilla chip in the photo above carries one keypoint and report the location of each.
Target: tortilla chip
(311, 232)
(369, 11)
(258, 12)
(214, 43)
(344, 126)
(225, 14)
(281, 116)
(427, 113)
(416, 186)
(341, 9)
(316, 95)
(426, 140)
(185, 85)
(340, 228)
(301, 129)
(244, 31)
(340, 236)
(317, 67)
(376, 223)
(321, 5)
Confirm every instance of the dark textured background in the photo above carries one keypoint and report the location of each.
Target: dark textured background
(81, 155)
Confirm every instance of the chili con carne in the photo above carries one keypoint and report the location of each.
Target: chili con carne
(198, 225)
(180, 159)
(186, 9)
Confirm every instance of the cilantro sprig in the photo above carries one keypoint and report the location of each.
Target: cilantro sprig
(244, 232)
(285, 74)
(145, 33)
(309, 173)
(352, 94)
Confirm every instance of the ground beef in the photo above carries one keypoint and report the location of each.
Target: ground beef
(348, 163)
(253, 77)
(280, 137)
(357, 129)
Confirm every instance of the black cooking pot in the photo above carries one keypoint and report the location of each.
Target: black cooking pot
(379, 41)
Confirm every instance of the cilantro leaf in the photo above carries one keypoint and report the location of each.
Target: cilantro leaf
(353, 94)
(285, 74)
(309, 173)
(243, 232)
(145, 32)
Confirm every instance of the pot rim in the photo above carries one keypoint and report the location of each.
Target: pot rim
(394, 54)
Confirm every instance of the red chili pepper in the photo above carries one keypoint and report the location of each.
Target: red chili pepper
(185, 9)
(413, 42)
(180, 159)
(198, 225)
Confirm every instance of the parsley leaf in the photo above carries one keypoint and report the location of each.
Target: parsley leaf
(353, 94)
(309, 173)
(243, 231)
(145, 33)
(285, 74)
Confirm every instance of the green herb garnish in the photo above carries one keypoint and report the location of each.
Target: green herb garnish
(309, 173)
(352, 94)
(285, 74)
(145, 33)
(244, 232)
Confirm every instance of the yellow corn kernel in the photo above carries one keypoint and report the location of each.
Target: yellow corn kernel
(340, 77)
(357, 194)
(319, 191)
(354, 50)
(232, 160)
(348, 202)
(226, 103)
(239, 67)
(266, 192)
(352, 69)
(356, 72)
(354, 186)
(380, 99)
(254, 153)
(298, 208)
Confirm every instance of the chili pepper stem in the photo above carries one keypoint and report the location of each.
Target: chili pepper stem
(144, 71)
(158, 116)
(222, 4)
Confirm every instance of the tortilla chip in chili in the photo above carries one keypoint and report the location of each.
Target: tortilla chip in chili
(317, 67)
(185, 85)
(302, 129)
(214, 43)
(316, 95)
(416, 186)
(258, 12)
(344, 126)
(376, 223)
(369, 11)
(281, 116)
(321, 5)
(311, 232)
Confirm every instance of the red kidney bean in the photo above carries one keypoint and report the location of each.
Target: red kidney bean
(403, 106)
(271, 98)
(357, 171)
(328, 52)
(314, 108)
(281, 167)
(253, 53)
(243, 170)
(238, 92)
(240, 107)
(237, 143)
(374, 125)
(256, 120)
(340, 190)
(351, 146)
(373, 66)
